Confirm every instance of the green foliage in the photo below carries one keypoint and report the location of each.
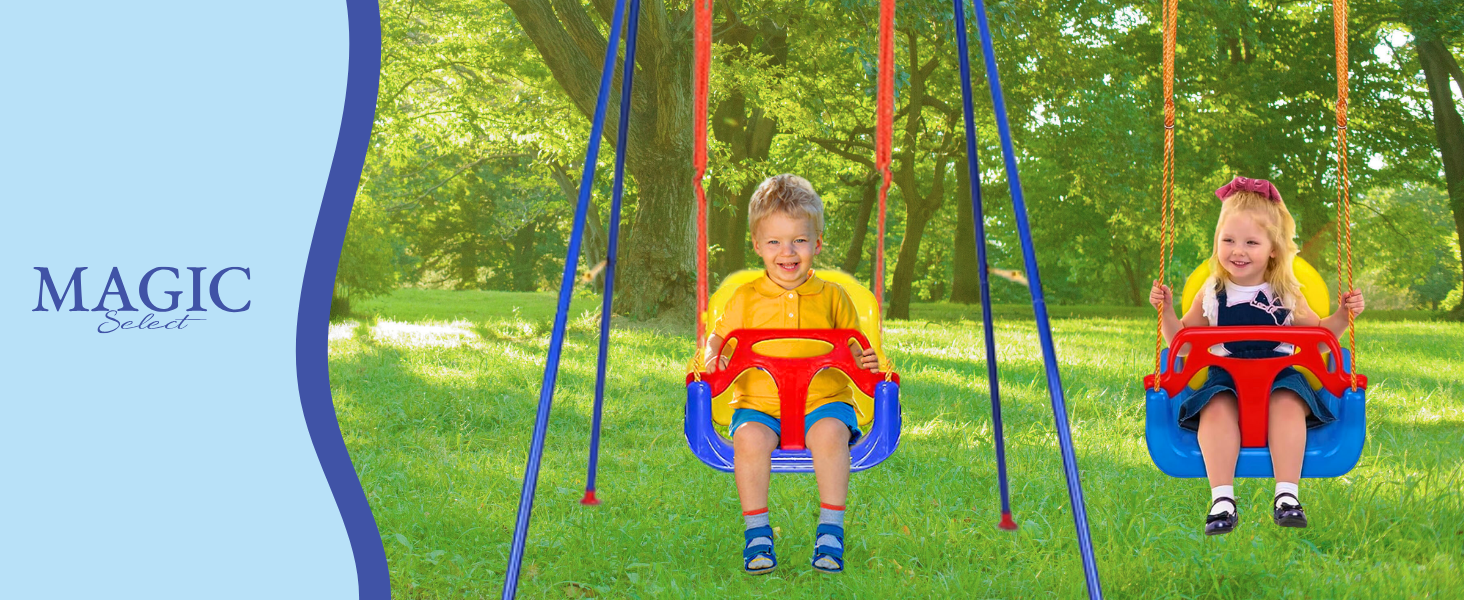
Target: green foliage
(371, 256)
(477, 144)
(436, 399)
(1410, 253)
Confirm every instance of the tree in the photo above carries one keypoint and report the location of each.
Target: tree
(658, 262)
(1435, 26)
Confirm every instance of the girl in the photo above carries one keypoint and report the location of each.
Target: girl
(1251, 283)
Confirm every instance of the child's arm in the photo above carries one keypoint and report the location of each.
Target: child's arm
(712, 361)
(1163, 299)
(1352, 302)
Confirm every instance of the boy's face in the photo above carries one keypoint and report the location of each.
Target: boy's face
(787, 246)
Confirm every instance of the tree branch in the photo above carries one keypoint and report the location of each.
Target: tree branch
(832, 146)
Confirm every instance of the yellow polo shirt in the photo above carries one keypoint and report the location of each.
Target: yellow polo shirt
(762, 304)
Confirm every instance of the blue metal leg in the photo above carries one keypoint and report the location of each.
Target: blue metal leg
(556, 340)
(626, 78)
(1039, 306)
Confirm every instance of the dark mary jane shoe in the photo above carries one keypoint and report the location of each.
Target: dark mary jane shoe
(1288, 514)
(1223, 523)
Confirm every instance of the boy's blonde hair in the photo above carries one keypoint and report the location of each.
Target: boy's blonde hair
(1280, 228)
(788, 194)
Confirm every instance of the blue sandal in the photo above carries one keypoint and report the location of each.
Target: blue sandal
(828, 557)
(760, 553)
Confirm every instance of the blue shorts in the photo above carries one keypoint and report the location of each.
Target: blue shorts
(838, 410)
(1220, 381)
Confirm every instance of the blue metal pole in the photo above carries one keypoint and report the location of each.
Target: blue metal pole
(1039, 306)
(978, 222)
(566, 290)
(627, 76)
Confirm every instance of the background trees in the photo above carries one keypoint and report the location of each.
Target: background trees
(484, 112)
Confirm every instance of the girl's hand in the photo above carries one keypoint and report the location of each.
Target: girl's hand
(869, 360)
(1161, 297)
(1353, 302)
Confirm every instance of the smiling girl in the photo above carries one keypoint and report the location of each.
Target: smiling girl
(1252, 283)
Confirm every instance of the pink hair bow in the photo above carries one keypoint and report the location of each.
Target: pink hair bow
(1246, 184)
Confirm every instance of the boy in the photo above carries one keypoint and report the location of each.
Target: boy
(785, 217)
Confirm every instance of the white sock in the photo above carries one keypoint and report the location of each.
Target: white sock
(1284, 487)
(1222, 491)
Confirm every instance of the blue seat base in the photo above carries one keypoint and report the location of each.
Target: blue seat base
(714, 449)
(1331, 450)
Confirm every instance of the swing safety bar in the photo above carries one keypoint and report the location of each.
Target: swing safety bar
(793, 375)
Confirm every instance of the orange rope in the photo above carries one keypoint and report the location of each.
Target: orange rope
(1166, 194)
(1344, 191)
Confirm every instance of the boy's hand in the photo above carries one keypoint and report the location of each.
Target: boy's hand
(715, 363)
(1353, 302)
(869, 360)
(1161, 297)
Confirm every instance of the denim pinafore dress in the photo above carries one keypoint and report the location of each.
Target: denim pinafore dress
(1238, 305)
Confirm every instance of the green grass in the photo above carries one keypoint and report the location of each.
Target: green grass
(436, 394)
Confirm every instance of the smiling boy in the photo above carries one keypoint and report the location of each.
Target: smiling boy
(785, 217)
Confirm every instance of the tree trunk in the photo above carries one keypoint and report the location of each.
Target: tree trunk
(524, 256)
(918, 208)
(915, 222)
(1438, 65)
(1136, 284)
(658, 269)
(727, 227)
(918, 212)
(966, 278)
(869, 192)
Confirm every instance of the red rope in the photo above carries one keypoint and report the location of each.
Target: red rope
(703, 40)
(884, 134)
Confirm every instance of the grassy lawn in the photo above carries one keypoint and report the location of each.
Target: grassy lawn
(436, 393)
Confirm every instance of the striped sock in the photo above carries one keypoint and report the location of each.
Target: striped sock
(755, 518)
(829, 514)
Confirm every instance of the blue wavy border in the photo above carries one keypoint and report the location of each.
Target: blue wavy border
(312, 339)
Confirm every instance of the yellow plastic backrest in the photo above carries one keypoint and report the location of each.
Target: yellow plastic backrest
(1312, 288)
(869, 323)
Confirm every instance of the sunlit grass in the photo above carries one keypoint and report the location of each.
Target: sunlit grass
(436, 394)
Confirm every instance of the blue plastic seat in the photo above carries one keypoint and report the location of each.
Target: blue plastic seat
(714, 449)
(1331, 450)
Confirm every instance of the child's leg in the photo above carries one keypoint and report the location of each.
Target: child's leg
(1219, 438)
(828, 441)
(753, 445)
(1286, 435)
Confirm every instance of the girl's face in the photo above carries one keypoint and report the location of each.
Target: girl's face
(1244, 249)
(787, 246)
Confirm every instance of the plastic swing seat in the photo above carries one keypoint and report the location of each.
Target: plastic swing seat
(1331, 450)
(877, 397)
(792, 376)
